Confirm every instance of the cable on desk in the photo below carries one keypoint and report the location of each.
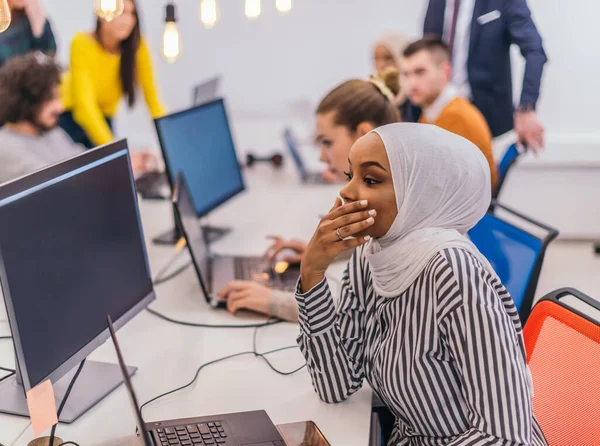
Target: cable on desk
(193, 379)
(7, 376)
(217, 361)
(199, 325)
(161, 280)
(2, 338)
(7, 370)
(64, 401)
(263, 356)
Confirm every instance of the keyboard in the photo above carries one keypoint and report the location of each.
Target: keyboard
(247, 268)
(214, 434)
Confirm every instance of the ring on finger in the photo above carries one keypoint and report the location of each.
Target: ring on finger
(337, 232)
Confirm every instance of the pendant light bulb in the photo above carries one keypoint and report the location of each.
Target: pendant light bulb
(171, 38)
(5, 16)
(252, 9)
(209, 13)
(283, 6)
(109, 9)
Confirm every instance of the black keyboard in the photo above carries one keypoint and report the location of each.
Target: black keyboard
(192, 434)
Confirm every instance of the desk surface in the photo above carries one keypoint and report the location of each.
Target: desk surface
(168, 355)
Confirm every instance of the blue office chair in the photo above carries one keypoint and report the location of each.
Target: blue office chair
(515, 254)
(508, 160)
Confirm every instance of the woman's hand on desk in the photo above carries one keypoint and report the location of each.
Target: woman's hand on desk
(247, 295)
(280, 244)
(333, 236)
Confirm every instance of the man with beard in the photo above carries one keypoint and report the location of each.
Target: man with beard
(30, 106)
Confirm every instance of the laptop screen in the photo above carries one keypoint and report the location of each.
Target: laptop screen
(293, 149)
(198, 142)
(192, 231)
(129, 386)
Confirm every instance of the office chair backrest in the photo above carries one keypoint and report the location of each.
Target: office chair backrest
(515, 254)
(563, 353)
(508, 160)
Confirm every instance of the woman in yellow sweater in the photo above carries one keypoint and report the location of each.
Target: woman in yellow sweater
(106, 66)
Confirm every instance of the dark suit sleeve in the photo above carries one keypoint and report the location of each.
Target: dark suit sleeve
(46, 42)
(524, 33)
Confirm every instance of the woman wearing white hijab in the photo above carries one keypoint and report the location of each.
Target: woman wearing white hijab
(422, 315)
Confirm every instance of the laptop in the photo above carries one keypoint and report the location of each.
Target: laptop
(237, 429)
(306, 176)
(214, 272)
(206, 91)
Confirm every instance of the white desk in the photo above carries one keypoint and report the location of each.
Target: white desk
(168, 355)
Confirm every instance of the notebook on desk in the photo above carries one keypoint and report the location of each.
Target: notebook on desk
(236, 429)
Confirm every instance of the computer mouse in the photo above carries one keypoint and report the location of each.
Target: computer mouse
(217, 302)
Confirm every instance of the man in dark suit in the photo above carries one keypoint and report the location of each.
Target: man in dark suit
(480, 33)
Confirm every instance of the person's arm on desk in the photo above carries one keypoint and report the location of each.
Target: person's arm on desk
(330, 338)
(253, 296)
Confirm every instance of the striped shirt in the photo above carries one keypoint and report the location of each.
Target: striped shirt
(446, 357)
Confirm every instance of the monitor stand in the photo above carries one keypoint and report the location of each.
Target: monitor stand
(96, 380)
(168, 238)
(211, 233)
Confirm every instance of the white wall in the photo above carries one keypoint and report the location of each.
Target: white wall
(272, 62)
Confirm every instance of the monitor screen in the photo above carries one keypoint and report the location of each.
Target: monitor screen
(293, 149)
(72, 252)
(198, 142)
(192, 231)
(206, 91)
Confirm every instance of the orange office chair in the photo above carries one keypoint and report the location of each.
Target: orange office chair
(563, 353)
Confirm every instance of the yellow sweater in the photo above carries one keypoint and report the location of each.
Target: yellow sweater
(92, 89)
(464, 119)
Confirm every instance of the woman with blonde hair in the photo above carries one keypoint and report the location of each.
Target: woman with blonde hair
(387, 53)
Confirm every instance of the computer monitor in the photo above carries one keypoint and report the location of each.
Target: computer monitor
(198, 142)
(72, 252)
(206, 91)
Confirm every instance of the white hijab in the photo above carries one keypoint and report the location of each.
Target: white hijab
(441, 182)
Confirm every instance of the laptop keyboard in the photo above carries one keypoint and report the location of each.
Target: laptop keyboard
(247, 268)
(193, 434)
